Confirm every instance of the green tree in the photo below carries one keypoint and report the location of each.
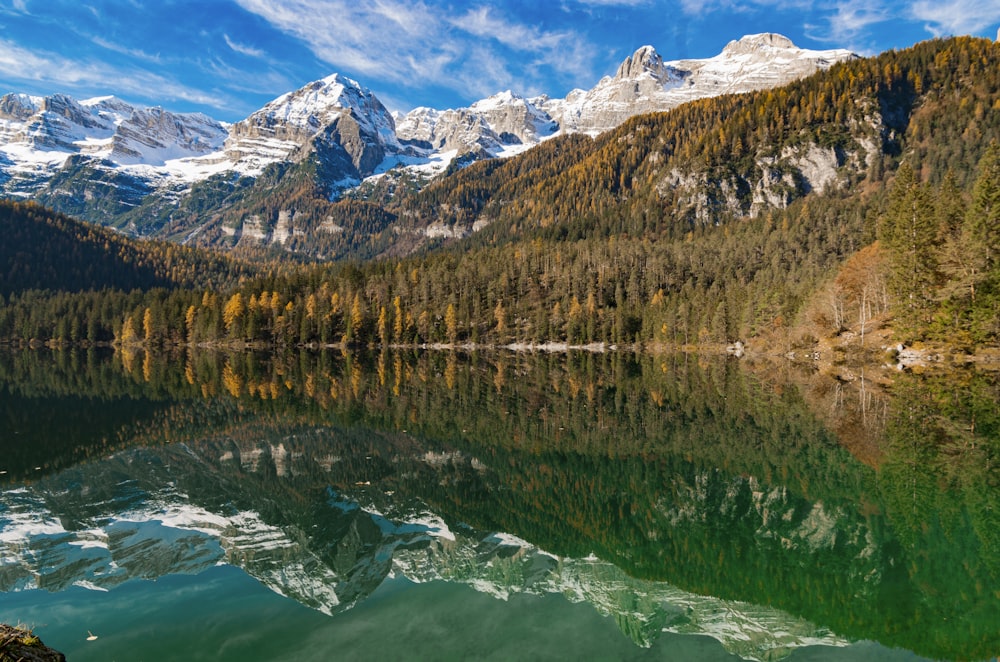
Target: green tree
(357, 325)
(982, 223)
(982, 243)
(908, 233)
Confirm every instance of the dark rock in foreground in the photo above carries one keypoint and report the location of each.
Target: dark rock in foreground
(18, 643)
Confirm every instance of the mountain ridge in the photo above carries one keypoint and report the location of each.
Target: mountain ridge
(142, 162)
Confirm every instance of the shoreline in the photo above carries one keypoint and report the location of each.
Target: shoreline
(825, 356)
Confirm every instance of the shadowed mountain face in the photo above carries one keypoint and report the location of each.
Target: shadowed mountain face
(674, 495)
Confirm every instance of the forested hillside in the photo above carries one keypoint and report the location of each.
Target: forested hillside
(738, 156)
(45, 250)
(743, 216)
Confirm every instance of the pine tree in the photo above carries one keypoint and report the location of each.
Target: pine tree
(397, 319)
(908, 232)
(982, 244)
(982, 223)
(500, 315)
(128, 333)
(382, 326)
(356, 327)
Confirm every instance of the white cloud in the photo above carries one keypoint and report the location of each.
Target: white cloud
(18, 6)
(423, 45)
(346, 34)
(53, 70)
(957, 17)
(123, 50)
(483, 22)
(242, 48)
(854, 17)
(236, 80)
(18, 62)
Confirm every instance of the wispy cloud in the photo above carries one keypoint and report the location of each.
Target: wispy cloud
(19, 62)
(41, 67)
(956, 17)
(852, 18)
(484, 22)
(235, 80)
(424, 44)
(136, 53)
(840, 22)
(18, 6)
(243, 49)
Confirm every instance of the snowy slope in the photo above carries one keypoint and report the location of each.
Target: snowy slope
(646, 83)
(348, 131)
(643, 83)
(281, 129)
(47, 130)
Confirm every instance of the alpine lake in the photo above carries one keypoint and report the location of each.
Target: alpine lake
(498, 505)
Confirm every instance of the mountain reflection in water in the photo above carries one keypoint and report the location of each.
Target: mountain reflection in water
(672, 494)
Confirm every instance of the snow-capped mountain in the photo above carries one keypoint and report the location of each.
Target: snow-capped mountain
(644, 83)
(38, 135)
(492, 125)
(334, 113)
(49, 129)
(114, 163)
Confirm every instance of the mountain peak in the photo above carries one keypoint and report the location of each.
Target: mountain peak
(644, 59)
(19, 106)
(336, 80)
(316, 104)
(500, 99)
(323, 93)
(753, 43)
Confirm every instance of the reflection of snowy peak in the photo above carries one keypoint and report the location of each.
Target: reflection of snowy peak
(141, 524)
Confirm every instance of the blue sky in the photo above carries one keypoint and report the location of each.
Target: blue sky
(229, 57)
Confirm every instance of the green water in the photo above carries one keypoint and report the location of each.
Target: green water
(446, 506)
(223, 614)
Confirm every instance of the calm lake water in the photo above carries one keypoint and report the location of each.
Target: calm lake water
(436, 505)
